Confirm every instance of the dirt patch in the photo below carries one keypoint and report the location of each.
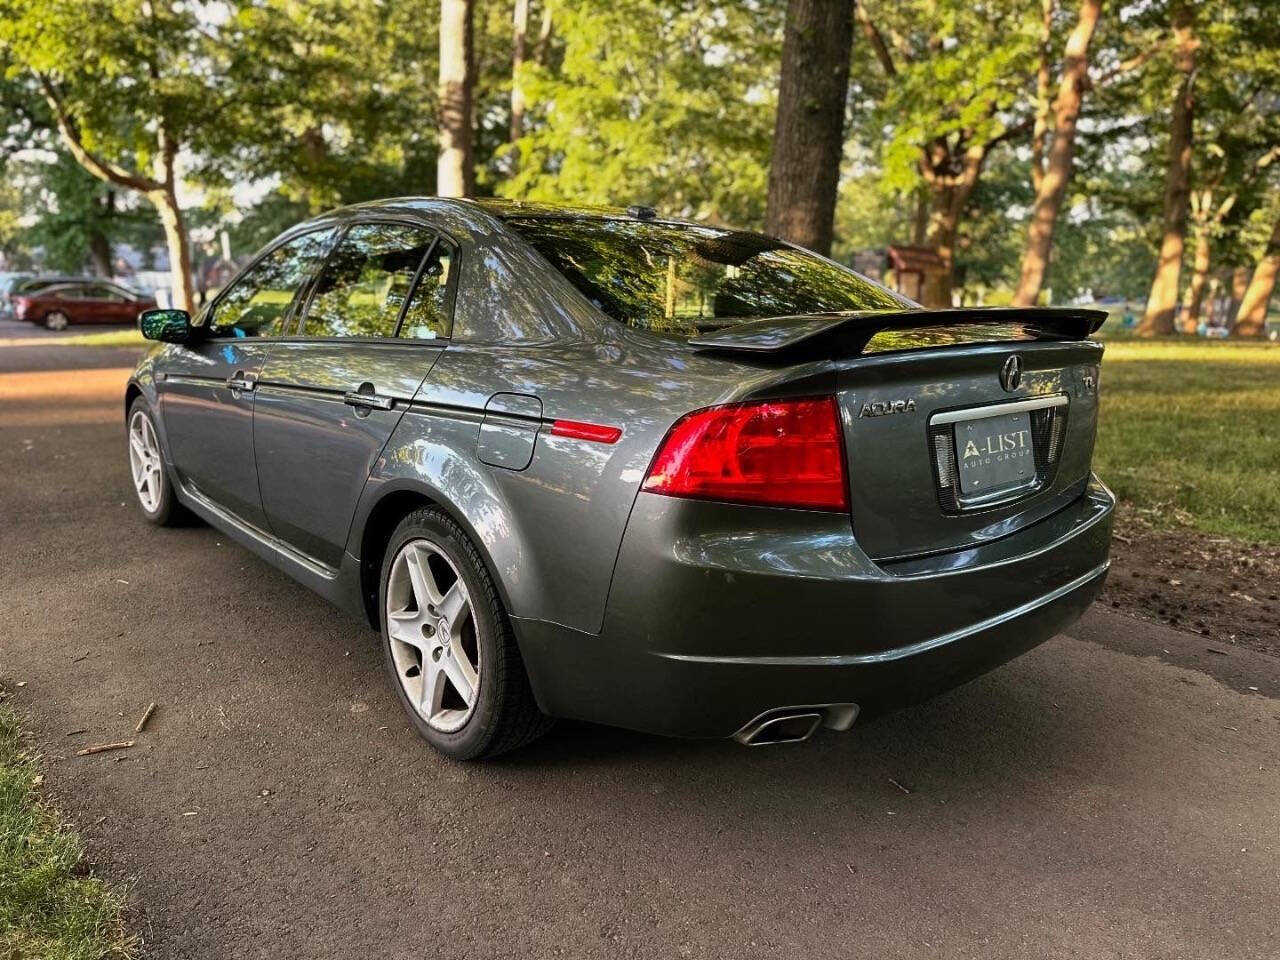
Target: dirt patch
(1224, 590)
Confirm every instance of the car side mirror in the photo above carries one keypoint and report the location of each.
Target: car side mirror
(169, 326)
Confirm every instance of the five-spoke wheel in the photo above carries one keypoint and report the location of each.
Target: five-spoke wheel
(448, 642)
(151, 482)
(144, 461)
(433, 635)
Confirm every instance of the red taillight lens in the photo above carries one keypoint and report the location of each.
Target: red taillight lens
(20, 306)
(783, 453)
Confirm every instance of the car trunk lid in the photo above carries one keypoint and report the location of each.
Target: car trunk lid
(960, 426)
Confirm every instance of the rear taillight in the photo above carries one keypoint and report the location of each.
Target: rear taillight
(20, 306)
(781, 453)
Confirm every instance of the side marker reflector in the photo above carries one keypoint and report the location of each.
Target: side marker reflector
(578, 430)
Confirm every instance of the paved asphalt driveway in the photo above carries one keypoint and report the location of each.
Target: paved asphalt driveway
(1116, 793)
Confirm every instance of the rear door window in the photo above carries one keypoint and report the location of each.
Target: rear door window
(257, 304)
(429, 314)
(107, 294)
(368, 280)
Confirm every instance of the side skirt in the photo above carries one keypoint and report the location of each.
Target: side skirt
(339, 585)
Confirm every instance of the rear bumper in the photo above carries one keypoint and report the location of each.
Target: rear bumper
(708, 627)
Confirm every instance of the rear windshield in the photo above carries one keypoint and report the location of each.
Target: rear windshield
(685, 279)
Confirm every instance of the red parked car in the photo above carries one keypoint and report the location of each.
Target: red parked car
(62, 304)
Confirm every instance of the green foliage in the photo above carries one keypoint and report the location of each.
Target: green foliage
(961, 71)
(124, 66)
(75, 212)
(661, 102)
(50, 907)
(665, 102)
(1237, 124)
(338, 103)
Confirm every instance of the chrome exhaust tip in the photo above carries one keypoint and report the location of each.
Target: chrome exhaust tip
(795, 724)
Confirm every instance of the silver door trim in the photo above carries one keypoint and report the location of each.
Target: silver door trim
(311, 564)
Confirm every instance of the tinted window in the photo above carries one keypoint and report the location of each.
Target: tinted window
(69, 292)
(33, 285)
(366, 281)
(681, 278)
(103, 293)
(256, 304)
(429, 315)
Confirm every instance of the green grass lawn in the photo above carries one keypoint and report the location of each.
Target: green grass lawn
(1190, 434)
(50, 908)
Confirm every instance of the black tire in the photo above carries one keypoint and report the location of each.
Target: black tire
(168, 512)
(57, 321)
(505, 716)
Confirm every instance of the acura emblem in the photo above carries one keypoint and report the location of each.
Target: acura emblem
(1011, 373)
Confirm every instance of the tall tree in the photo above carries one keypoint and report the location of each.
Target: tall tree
(1252, 315)
(1052, 177)
(125, 111)
(660, 102)
(948, 91)
(1163, 299)
(1206, 218)
(337, 112)
(808, 134)
(455, 176)
(133, 85)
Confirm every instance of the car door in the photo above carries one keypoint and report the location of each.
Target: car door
(96, 305)
(117, 305)
(64, 299)
(207, 386)
(329, 398)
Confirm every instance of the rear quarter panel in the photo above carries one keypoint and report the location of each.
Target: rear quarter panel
(551, 531)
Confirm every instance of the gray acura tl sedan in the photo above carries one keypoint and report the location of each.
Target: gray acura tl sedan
(644, 472)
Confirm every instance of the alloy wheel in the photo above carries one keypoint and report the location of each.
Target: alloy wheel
(144, 461)
(56, 321)
(433, 635)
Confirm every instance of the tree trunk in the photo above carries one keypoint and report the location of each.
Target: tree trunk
(544, 36)
(1163, 299)
(950, 187)
(521, 29)
(1199, 277)
(1051, 188)
(1251, 319)
(1044, 85)
(808, 137)
(920, 224)
(455, 172)
(941, 235)
(1205, 219)
(100, 252)
(175, 236)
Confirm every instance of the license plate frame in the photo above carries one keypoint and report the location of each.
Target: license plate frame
(995, 457)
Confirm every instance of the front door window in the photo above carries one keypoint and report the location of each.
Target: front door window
(257, 304)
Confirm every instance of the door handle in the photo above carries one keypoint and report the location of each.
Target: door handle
(370, 401)
(241, 382)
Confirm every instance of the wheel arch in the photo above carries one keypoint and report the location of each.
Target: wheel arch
(392, 503)
(131, 393)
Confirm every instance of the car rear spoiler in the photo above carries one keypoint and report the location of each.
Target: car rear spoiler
(853, 332)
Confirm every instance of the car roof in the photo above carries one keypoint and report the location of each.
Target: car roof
(501, 208)
(61, 284)
(49, 279)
